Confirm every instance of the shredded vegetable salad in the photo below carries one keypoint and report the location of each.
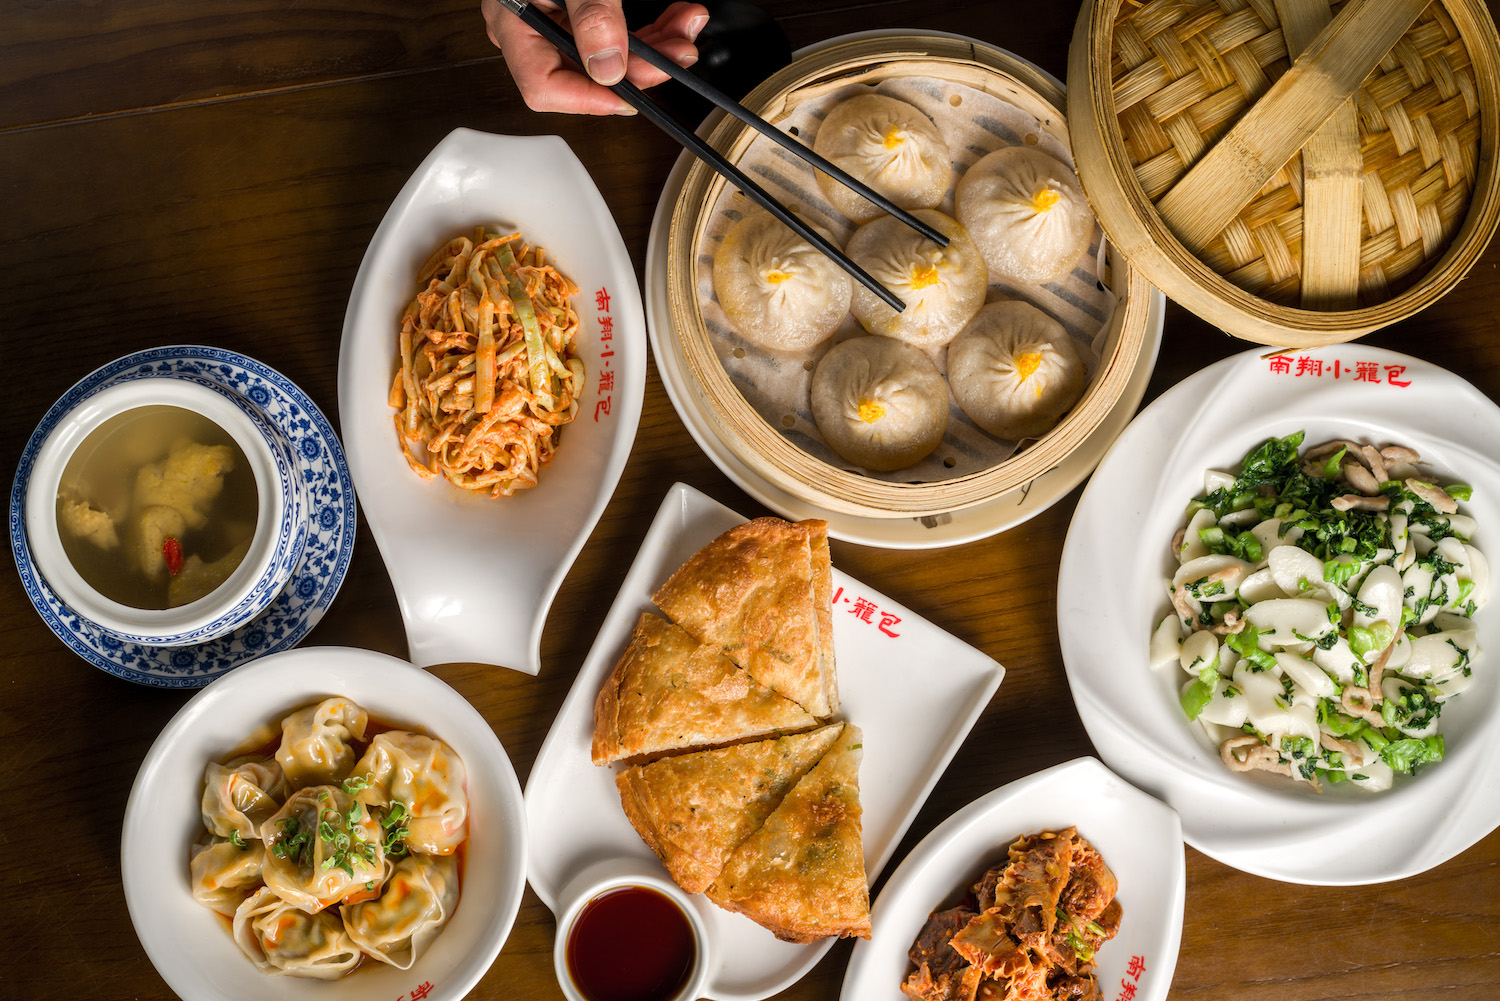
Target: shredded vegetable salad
(488, 369)
(1321, 608)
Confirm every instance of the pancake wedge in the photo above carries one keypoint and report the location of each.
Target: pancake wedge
(802, 874)
(762, 592)
(670, 691)
(693, 809)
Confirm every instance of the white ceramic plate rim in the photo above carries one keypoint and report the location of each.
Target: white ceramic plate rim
(315, 580)
(949, 529)
(563, 779)
(156, 836)
(428, 531)
(1118, 546)
(1107, 811)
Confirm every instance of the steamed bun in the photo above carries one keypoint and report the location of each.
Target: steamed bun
(943, 287)
(890, 146)
(879, 403)
(777, 289)
(1015, 371)
(1026, 213)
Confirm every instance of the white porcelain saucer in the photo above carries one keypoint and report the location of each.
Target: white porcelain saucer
(315, 580)
(950, 529)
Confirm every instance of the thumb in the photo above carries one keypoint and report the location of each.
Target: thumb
(599, 28)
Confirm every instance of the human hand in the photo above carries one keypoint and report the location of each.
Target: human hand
(549, 83)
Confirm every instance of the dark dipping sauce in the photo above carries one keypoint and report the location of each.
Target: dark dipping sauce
(631, 944)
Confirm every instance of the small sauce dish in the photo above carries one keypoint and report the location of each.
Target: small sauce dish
(625, 933)
(274, 547)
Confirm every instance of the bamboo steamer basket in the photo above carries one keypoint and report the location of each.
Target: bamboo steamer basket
(1292, 202)
(762, 447)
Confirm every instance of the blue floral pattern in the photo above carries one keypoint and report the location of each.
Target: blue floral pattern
(325, 555)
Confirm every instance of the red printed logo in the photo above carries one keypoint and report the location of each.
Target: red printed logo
(606, 339)
(1304, 366)
(866, 610)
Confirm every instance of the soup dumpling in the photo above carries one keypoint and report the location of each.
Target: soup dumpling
(223, 873)
(1026, 212)
(889, 145)
(879, 403)
(281, 939)
(416, 902)
(776, 288)
(322, 847)
(240, 795)
(1015, 371)
(422, 774)
(316, 741)
(943, 287)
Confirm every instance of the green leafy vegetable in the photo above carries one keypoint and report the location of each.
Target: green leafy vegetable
(1405, 755)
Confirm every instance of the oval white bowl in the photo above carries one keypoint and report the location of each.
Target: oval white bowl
(474, 576)
(190, 945)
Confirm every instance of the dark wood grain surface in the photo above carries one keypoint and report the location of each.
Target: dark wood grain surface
(174, 172)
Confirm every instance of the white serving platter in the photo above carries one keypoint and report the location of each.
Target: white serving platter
(1139, 838)
(914, 689)
(475, 575)
(1112, 593)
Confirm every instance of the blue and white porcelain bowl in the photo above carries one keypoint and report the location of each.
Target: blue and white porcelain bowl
(281, 527)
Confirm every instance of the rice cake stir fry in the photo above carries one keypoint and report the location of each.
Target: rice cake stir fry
(1322, 609)
(1027, 931)
(489, 367)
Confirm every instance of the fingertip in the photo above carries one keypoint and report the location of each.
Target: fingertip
(606, 68)
(686, 20)
(570, 92)
(599, 28)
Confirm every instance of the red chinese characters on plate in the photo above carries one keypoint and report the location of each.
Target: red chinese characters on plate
(1306, 366)
(418, 992)
(1133, 970)
(866, 610)
(607, 351)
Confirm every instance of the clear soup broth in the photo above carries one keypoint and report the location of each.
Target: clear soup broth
(157, 507)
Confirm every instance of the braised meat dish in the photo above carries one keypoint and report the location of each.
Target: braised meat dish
(1027, 931)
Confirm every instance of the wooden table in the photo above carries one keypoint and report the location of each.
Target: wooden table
(174, 172)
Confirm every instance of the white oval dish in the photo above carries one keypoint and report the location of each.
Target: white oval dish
(1139, 838)
(950, 529)
(190, 945)
(1111, 594)
(618, 874)
(914, 689)
(275, 548)
(474, 576)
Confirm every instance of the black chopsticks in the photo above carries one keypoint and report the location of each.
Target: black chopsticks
(723, 101)
(648, 109)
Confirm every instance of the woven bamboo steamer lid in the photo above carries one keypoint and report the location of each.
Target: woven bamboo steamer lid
(1254, 191)
(763, 448)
